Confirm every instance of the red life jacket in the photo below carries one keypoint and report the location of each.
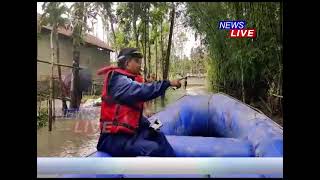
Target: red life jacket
(117, 117)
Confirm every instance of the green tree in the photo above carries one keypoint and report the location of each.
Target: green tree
(108, 15)
(167, 60)
(52, 16)
(79, 23)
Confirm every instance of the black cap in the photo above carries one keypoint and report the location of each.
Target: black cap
(129, 52)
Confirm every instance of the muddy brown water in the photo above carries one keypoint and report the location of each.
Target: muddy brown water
(78, 136)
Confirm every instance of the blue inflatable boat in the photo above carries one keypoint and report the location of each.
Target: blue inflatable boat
(217, 125)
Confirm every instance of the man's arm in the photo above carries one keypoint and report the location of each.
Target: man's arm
(124, 89)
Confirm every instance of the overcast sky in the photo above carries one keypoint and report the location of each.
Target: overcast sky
(98, 32)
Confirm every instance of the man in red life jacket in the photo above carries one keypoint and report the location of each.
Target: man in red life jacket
(124, 129)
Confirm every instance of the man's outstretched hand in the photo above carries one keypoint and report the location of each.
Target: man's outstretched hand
(175, 83)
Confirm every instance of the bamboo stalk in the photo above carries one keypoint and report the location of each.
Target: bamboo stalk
(280, 58)
(67, 99)
(243, 92)
(277, 95)
(266, 105)
(57, 64)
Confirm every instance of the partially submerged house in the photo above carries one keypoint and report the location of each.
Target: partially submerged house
(93, 55)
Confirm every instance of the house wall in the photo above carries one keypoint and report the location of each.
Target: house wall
(90, 56)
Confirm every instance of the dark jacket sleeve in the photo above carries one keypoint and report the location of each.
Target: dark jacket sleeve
(144, 122)
(126, 90)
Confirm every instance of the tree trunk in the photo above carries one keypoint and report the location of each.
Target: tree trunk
(149, 59)
(142, 45)
(162, 101)
(75, 80)
(161, 49)
(167, 63)
(53, 89)
(149, 53)
(51, 80)
(135, 25)
(279, 91)
(64, 103)
(114, 34)
(106, 32)
(136, 33)
(156, 59)
(145, 47)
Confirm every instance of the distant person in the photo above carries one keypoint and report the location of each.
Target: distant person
(185, 82)
(124, 130)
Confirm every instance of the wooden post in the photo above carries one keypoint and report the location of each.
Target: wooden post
(57, 64)
(39, 105)
(92, 88)
(53, 104)
(50, 114)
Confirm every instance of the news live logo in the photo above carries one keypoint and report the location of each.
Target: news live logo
(237, 29)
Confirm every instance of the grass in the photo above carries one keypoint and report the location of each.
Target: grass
(42, 118)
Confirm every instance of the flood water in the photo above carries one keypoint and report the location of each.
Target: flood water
(78, 136)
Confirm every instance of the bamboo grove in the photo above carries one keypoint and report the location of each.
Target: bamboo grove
(250, 69)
